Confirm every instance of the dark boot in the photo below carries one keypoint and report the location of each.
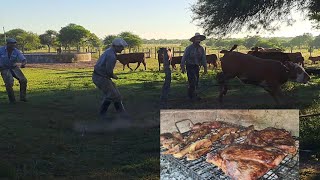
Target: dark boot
(119, 106)
(104, 107)
(10, 93)
(120, 109)
(23, 92)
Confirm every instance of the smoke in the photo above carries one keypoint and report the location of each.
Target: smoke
(104, 126)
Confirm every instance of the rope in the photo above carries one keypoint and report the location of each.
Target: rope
(309, 115)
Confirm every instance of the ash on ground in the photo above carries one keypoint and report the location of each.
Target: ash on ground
(168, 172)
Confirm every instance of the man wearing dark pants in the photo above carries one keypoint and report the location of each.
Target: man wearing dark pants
(9, 56)
(103, 72)
(194, 56)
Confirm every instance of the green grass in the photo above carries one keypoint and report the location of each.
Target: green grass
(39, 139)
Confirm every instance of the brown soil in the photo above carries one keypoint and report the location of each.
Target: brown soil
(84, 64)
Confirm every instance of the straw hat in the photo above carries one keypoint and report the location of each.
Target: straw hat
(202, 37)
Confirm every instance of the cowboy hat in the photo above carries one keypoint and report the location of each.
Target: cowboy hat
(202, 37)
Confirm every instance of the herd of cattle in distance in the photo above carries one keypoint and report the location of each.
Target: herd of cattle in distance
(264, 53)
(266, 68)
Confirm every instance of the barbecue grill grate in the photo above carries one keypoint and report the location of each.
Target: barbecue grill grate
(199, 169)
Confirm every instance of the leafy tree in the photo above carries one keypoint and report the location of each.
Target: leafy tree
(94, 41)
(316, 42)
(132, 39)
(49, 38)
(223, 17)
(304, 40)
(108, 40)
(251, 41)
(25, 40)
(73, 35)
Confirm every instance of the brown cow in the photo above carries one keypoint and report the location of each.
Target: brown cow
(125, 59)
(314, 59)
(266, 73)
(212, 59)
(280, 56)
(173, 60)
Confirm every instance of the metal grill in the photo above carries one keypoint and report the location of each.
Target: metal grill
(199, 169)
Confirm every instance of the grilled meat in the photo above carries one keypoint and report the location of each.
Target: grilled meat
(228, 139)
(204, 143)
(198, 153)
(252, 153)
(247, 131)
(245, 170)
(279, 138)
(195, 135)
(210, 125)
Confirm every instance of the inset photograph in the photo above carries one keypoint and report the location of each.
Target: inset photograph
(229, 144)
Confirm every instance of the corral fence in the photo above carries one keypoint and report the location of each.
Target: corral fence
(176, 51)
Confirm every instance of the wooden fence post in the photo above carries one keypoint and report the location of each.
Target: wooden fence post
(173, 51)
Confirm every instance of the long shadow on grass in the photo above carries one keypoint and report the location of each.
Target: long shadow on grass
(38, 137)
(39, 140)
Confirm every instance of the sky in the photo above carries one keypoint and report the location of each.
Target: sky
(149, 19)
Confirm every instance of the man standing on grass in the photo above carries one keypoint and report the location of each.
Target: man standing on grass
(194, 56)
(9, 56)
(103, 72)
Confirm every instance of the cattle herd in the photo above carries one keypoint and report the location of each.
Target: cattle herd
(264, 53)
(267, 68)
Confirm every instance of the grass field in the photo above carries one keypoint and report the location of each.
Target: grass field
(41, 139)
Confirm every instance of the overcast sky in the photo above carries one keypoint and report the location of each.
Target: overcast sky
(165, 19)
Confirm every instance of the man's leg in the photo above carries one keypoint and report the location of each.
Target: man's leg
(8, 81)
(17, 73)
(191, 81)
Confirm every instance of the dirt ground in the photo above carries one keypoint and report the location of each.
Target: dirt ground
(80, 65)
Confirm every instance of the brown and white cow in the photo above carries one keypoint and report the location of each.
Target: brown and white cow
(314, 59)
(267, 73)
(212, 59)
(139, 58)
(261, 49)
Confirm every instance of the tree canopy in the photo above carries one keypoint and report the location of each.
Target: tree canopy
(222, 17)
(49, 38)
(73, 35)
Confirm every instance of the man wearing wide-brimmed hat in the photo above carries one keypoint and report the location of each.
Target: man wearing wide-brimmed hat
(194, 56)
(9, 56)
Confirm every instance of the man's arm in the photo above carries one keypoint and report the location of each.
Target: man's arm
(183, 60)
(110, 64)
(22, 59)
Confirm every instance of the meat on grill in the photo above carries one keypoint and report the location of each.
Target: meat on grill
(270, 136)
(204, 143)
(245, 162)
(245, 170)
(211, 125)
(252, 153)
(197, 154)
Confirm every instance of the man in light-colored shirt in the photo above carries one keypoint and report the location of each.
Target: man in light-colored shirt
(9, 56)
(103, 72)
(194, 56)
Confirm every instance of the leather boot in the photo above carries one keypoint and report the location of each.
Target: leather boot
(104, 107)
(23, 92)
(10, 93)
(120, 109)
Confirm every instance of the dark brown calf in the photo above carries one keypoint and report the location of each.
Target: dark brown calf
(314, 59)
(126, 59)
(212, 59)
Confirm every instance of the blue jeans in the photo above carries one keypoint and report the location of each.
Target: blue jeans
(193, 79)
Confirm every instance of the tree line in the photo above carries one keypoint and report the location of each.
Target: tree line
(76, 36)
